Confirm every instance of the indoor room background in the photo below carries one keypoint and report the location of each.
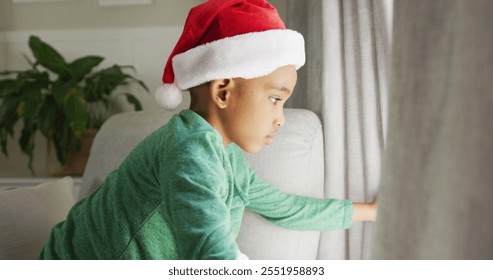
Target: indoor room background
(402, 88)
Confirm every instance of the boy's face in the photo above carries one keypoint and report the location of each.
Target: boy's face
(255, 108)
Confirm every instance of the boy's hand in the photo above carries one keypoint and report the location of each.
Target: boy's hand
(364, 211)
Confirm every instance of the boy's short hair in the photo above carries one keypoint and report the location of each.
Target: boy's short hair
(228, 39)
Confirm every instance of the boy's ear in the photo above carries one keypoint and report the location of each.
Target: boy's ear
(220, 91)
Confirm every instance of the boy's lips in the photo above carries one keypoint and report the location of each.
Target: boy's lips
(270, 138)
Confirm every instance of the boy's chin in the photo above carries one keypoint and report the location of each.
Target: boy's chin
(252, 149)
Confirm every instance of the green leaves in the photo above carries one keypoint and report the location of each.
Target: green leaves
(101, 84)
(7, 87)
(75, 107)
(48, 57)
(27, 140)
(8, 118)
(134, 101)
(21, 97)
(83, 66)
(49, 115)
(56, 97)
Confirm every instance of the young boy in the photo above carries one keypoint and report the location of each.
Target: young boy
(181, 193)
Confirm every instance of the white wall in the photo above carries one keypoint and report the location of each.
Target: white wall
(142, 36)
(88, 14)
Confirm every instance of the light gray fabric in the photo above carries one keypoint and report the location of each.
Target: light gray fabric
(293, 163)
(27, 215)
(435, 199)
(344, 81)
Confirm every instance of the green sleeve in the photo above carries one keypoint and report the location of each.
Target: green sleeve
(297, 212)
(194, 184)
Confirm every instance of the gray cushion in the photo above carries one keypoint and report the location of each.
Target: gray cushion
(293, 163)
(27, 215)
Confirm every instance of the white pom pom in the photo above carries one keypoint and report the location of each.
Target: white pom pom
(169, 96)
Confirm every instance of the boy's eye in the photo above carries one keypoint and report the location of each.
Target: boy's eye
(274, 99)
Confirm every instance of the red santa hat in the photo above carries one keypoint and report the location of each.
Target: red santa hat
(228, 39)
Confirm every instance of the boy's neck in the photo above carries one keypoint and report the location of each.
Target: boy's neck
(213, 120)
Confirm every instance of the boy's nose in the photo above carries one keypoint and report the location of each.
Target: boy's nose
(281, 120)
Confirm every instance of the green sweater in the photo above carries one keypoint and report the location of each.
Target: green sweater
(180, 194)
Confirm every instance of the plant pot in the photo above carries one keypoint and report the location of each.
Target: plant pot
(76, 162)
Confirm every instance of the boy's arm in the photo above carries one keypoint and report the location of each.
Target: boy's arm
(305, 213)
(364, 211)
(297, 212)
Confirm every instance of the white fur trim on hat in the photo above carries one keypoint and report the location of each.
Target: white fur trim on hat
(168, 96)
(247, 56)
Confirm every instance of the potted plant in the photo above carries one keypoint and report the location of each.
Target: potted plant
(60, 99)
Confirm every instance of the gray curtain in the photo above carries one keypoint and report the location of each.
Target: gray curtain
(435, 199)
(345, 82)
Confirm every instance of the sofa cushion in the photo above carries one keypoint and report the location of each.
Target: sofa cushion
(293, 163)
(28, 214)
